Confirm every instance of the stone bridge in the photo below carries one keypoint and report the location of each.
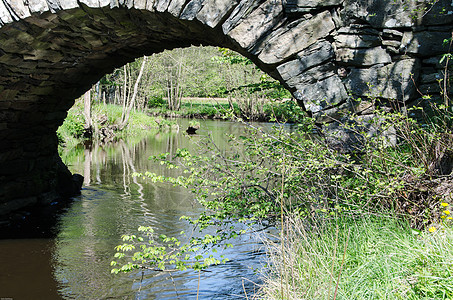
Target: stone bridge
(324, 51)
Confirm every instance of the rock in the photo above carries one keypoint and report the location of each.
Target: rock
(349, 136)
(314, 55)
(425, 43)
(356, 41)
(322, 94)
(382, 14)
(393, 81)
(304, 6)
(363, 57)
(213, 11)
(258, 22)
(297, 38)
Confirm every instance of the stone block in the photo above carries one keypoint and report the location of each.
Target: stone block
(312, 75)
(175, 7)
(304, 6)
(161, 5)
(440, 13)
(191, 10)
(19, 8)
(15, 204)
(382, 14)
(297, 38)
(256, 24)
(363, 57)
(214, 11)
(5, 15)
(314, 55)
(430, 88)
(322, 94)
(38, 6)
(393, 81)
(425, 43)
(431, 77)
(357, 41)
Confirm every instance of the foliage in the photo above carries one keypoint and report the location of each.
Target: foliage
(159, 253)
(157, 101)
(374, 257)
(72, 128)
(265, 175)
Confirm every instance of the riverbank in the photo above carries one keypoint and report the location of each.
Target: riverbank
(265, 110)
(105, 118)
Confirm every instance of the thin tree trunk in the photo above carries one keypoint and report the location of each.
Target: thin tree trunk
(124, 92)
(134, 95)
(87, 109)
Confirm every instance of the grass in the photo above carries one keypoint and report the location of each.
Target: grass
(368, 258)
(70, 133)
(285, 110)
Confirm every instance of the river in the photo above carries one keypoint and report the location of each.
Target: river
(65, 252)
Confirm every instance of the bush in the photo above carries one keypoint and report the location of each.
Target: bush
(157, 101)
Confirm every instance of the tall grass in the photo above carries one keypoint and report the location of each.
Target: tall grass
(366, 258)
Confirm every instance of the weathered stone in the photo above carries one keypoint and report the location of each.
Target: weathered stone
(440, 12)
(213, 11)
(161, 5)
(312, 75)
(191, 10)
(425, 43)
(304, 6)
(391, 43)
(297, 38)
(391, 33)
(430, 88)
(175, 7)
(356, 41)
(244, 8)
(358, 29)
(322, 94)
(383, 14)
(5, 15)
(431, 77)
(19, 8)
(393, 81)
(7, 207)
(314, 55)
(347, 136)
(363, 57)
(252, 27)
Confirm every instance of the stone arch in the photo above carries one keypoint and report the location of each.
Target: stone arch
(323, 51)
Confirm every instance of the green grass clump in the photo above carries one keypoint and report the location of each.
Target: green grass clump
(366, 258)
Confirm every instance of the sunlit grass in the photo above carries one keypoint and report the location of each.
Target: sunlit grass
(369, 258)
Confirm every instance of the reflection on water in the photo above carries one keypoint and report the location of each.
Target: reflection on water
(113, 202)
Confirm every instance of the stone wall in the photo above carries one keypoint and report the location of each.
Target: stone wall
(325, 52)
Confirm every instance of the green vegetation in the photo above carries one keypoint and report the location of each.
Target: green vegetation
(371, 257)
(363, 210)
(106, 118)
(297, 181)
(203, 82)
(215, 108)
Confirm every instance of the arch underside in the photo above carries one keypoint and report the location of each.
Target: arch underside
(322, 51)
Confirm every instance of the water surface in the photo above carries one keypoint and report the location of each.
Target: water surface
(71, 259)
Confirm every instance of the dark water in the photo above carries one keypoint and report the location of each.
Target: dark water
(70, 258)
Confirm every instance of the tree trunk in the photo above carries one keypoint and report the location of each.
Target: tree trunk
(87, 109)
(134, 96)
